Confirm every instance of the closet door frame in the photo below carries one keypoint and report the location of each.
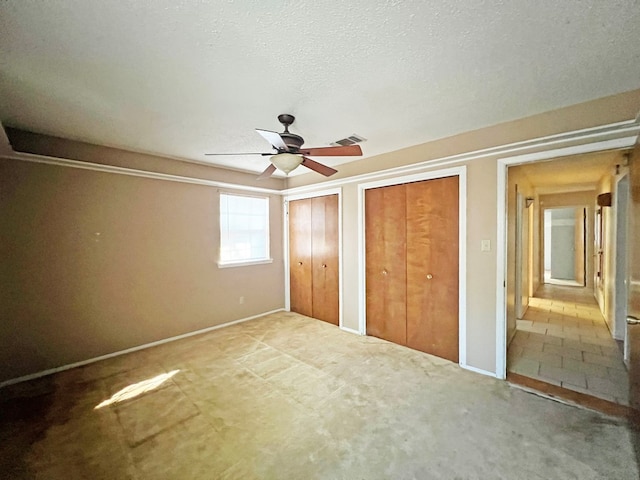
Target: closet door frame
(461, 173)
(302, 196)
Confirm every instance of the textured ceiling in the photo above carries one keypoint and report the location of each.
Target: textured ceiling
(181, 78)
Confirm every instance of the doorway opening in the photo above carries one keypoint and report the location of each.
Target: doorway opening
(564, 247)
(558, 335)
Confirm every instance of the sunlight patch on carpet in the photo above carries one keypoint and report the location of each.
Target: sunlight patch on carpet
(136, 389)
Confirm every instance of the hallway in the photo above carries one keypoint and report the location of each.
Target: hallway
(563, 340)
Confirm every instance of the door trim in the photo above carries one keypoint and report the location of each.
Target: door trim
(518, 305)
(461, 173)
(285, 246)
(501, 239)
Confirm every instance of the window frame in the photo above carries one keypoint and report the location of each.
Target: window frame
(246, 262)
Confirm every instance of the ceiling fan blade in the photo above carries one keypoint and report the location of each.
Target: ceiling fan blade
(274, 139)
(318, 167)
(348, 151)
(267, 172)
(248, 153)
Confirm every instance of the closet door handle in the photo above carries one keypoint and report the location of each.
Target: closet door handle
(429, 276)
(324, 265)
(299, 263)
(384, 272)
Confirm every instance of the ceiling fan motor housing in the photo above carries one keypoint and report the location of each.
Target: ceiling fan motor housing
(291, 140)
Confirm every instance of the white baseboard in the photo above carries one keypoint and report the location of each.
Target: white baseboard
(478, 370)
(130, 350)
(350, 330)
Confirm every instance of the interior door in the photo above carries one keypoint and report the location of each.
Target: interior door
(621, 197)
(386, 271)
(633, 301)
(432, 267)
(300, 278)
(324, 244)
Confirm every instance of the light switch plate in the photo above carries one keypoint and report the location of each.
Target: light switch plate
(485, 245)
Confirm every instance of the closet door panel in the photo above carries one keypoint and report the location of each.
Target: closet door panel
(432, 267)
(386, 273)
(300, 273)
(325, 284)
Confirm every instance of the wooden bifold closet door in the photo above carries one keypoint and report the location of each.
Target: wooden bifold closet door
(313, 257)
(300, 257)
(412, 265)
(386, 269)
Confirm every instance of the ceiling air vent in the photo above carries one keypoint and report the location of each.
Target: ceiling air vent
(350, 140)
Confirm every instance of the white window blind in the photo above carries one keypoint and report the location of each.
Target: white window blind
(244, 229)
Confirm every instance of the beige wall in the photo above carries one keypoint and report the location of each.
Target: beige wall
(481, 266)
(616, 108)
(29, 142)
(69, 294)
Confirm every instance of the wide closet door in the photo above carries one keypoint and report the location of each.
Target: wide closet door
(412, 265)
(313, 257)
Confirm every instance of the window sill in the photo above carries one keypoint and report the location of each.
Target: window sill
(245, 263)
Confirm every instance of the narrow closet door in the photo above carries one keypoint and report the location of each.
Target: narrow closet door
(324, 225)
(300, 277)
(386, 273)
(432, 267)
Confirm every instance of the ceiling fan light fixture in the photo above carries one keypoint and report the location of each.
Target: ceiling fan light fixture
(290, 154)
(286, 162)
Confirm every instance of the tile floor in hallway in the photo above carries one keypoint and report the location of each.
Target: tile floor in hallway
(563, 340)
(288, 397)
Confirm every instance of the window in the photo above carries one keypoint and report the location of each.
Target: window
(244, 230)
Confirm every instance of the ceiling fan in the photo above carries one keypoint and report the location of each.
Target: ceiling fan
(289, 155)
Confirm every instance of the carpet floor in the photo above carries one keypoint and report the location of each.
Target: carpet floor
(288, 397)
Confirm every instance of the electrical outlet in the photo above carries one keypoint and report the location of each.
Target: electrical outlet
(241, 300)
(485, 246)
